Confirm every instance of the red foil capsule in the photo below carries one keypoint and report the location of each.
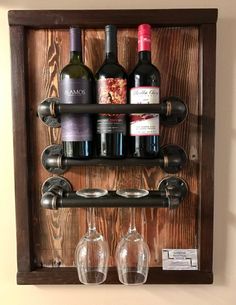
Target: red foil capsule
(144, 37)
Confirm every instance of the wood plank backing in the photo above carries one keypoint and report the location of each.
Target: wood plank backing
(56, 233)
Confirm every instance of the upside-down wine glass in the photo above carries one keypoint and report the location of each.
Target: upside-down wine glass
(132, 253)
(92, 252)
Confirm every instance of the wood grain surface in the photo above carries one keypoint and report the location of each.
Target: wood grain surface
(175, 52)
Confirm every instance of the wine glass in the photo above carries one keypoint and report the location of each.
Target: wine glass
(92, 252)
(132, 252)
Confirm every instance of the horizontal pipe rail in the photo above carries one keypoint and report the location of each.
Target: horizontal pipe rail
(70, 200)
(154, 199)
(172, 110)
(171, 159)
(111, 108)
(55, 107)
(122, 162)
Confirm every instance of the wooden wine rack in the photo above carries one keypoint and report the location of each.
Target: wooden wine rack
(183, 49)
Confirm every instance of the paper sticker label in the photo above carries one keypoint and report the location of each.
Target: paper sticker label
(179, 259)
(144, 124)
(75, 127)
(111, 91)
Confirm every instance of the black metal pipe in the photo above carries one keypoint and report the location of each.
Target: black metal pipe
(57, 193)
(113, 162)
(57, 161)
(172, 110)
(110, 108)
(46, 109)
(154, 199)
(171, 159)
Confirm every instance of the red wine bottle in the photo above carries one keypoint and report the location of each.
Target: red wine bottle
(144, 85)
(111, 88)
(76, 87)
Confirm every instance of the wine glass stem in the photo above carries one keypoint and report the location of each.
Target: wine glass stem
(132, 226)
(91, 219)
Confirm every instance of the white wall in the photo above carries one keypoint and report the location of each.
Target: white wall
(223, 291)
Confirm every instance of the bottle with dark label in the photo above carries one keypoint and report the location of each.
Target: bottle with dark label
(144, 85)
(111, 88)
(76, 87)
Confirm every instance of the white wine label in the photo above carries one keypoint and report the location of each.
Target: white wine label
(179, 259)
(144, 124)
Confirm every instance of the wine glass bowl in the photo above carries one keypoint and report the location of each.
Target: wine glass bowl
(91, 257)
(132, 258)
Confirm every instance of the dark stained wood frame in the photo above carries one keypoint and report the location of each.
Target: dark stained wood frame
(20, 22)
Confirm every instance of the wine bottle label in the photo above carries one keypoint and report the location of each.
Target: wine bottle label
(75, 127)
(144, 124)
(111, 91)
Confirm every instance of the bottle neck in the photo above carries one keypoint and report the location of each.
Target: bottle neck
(144, 43)
(75, 46)
(110, 44)
(75, 57)
(145, 56)
(111, 57)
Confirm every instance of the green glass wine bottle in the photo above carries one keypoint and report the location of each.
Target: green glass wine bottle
(76, 87)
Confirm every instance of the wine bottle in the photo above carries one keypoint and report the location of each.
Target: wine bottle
(111, 88)
(76, 85)
(144, 85)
